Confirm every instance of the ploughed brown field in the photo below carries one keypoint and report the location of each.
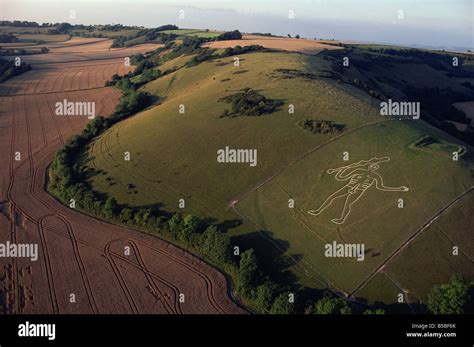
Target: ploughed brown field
(280, 43)
(83, 49)
(78, 254)
(71, 42)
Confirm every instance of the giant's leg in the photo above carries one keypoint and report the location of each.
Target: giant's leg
(350, 200)
(337, 194)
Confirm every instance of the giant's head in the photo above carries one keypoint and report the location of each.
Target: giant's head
(373, 167)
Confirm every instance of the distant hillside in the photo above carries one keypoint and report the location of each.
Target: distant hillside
(435, 79)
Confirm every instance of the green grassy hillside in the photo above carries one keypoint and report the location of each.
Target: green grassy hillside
(201, 131)
(173, 156)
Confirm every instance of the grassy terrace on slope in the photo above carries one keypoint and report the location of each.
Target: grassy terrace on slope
(173, 156)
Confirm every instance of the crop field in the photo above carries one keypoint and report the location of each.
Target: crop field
(80, 49)
(90, 42)
(278, 43)
(78, 253)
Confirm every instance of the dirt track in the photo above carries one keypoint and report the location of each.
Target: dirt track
(78, 254)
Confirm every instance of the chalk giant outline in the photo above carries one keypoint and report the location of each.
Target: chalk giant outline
(361, 176)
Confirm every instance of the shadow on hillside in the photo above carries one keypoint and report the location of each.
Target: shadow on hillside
(272, 255)
(229, 224)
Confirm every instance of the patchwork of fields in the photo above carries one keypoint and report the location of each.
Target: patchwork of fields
(329, 168)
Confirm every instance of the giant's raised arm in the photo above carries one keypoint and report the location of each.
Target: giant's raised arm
(380, 185)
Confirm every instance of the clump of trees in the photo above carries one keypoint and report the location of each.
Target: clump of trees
(167, 27)
(145, 69)
(130, 103)
(330, 304)
(253, 284)
(450, 298)
(317, 126)
(8, 38)
(22, 24)
(265, 34)
(142, 66)
(294, 73)
(206, 54)
(21, 51)
(155, 35)
(189, 45)
(9, 70)
(148, 76)
(63, 28)
(230, 35)
(366, 87)
(249, 102)
(230, 51)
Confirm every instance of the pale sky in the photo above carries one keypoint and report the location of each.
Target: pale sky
(430, 23)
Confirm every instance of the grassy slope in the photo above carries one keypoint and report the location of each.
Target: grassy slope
(433, 251)
(175, 163)
(175, 63)
(174, 156)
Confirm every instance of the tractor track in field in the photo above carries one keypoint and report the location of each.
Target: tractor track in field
(201, 274)
(12, 211)
(151, 277)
